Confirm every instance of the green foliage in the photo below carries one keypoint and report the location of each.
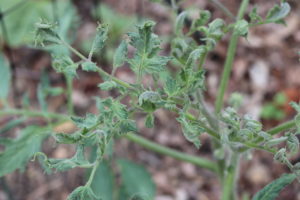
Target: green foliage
(78, 160)
(179, 90)
(21, 21)
(271, 110)
(83, 193)
(28, 143)
(103, 182)
(272, 190)
(191, 130)
(100, 38)
(5, 80)
(136, 181)
(278, 13)
(147, 45)
(120, 55)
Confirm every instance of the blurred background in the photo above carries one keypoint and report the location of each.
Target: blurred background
(266, 72)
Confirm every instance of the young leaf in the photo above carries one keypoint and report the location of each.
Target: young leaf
(147, 45)
(20, 150)
(83, 193)
(194, 56)
(108, 85)
(89, 121)
(254, 17)
(292, 143)
(204, 17)
(191, 131)
(179, 23)
(148, 100)
(64, 64)
(103, 182)
(171, 87)
(78, 160)
(272, 190)
(120, 54)
(136, 180)
(5, 77)
(46, 34)
(100, 38)
(125, 126)
(149, 122)
(278, 13)
(241, 28)
(89, 66)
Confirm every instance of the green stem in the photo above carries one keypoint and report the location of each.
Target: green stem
(30, 113)
(92, 175)
(202, 60)
(229, 183)
(223, 8)
(70, 106)
(201, 162)
(229, 61)
(282, 127)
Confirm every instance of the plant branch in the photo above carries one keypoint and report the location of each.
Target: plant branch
(200, 162)
(92, 175)
(230, 179)
(282, 127)
(132, 137)
(223, 8)
(70, 106)
(229, 61)
(30, 113)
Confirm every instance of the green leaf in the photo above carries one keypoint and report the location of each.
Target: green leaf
(125, 126)
(204, 17)
(64, 138)
(278, 13)
(148, 100)
(292, 143)
(147, 45)
(21, 22)
(21, 149)
(120, 54)
(103, 182)
(108, 85)
(88, 122)
(272, 190)
(254, 16)
(194, 56)
(89, 67)
(215, 28)
(241, 28)
(46, 33)
(64, 64)
(191, 130)
(78, 160)
(179, 23)
(149, 122)
(83, 193)
(171, 87)
(136, 180)
(5, 80)
(100, 38)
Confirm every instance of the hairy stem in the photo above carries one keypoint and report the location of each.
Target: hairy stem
(282, 127)
(92, 175)
(229, 183)
(200, 162)
(223, 8)
(70, 106)
(229, 61)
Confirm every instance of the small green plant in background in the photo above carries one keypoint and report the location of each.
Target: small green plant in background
(233, 136)
(273, 109)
